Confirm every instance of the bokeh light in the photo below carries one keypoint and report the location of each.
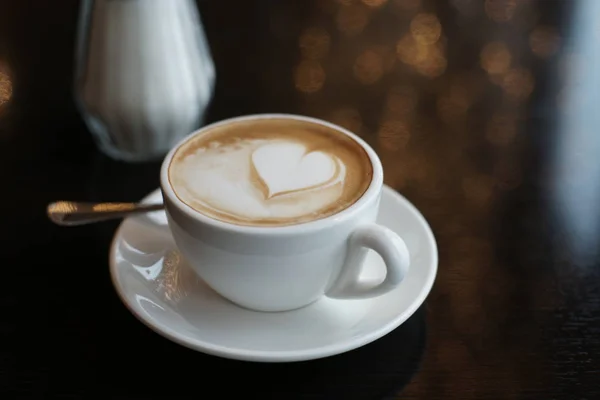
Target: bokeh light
(518, 83)
(309, 76)
(408, 50)
(432, 66)
(368, 67)
(401, 100)
(422, 48)
(374, 3)
(428, 60)
(347, 117)
(393, 134)
(544, 41)
(352, 19)
(5, 87)
(314, 43)
(500, 10)
(495, 58)
(425, 29)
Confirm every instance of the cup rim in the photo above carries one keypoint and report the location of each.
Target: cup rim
(305, 227)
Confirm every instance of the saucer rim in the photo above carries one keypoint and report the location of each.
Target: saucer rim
(278, 355)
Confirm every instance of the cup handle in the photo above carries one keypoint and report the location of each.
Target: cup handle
(390, 247)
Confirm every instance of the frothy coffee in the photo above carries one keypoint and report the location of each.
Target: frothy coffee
(270, 172)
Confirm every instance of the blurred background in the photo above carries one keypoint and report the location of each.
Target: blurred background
(482, 111)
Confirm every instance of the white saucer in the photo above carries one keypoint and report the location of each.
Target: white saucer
(161, 291)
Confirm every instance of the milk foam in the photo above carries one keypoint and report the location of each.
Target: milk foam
(259, 179)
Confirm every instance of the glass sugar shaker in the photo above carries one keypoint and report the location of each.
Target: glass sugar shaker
(144, 75)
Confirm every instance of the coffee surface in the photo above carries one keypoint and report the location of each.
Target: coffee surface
(270, 172)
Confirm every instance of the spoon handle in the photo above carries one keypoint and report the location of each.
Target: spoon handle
(71, 213)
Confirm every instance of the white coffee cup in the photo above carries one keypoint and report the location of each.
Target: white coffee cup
(287, 267)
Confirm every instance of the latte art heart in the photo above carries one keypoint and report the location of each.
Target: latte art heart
(270, 172)
(286, 167)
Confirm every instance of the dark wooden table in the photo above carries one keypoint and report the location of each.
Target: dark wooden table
(485, 115)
